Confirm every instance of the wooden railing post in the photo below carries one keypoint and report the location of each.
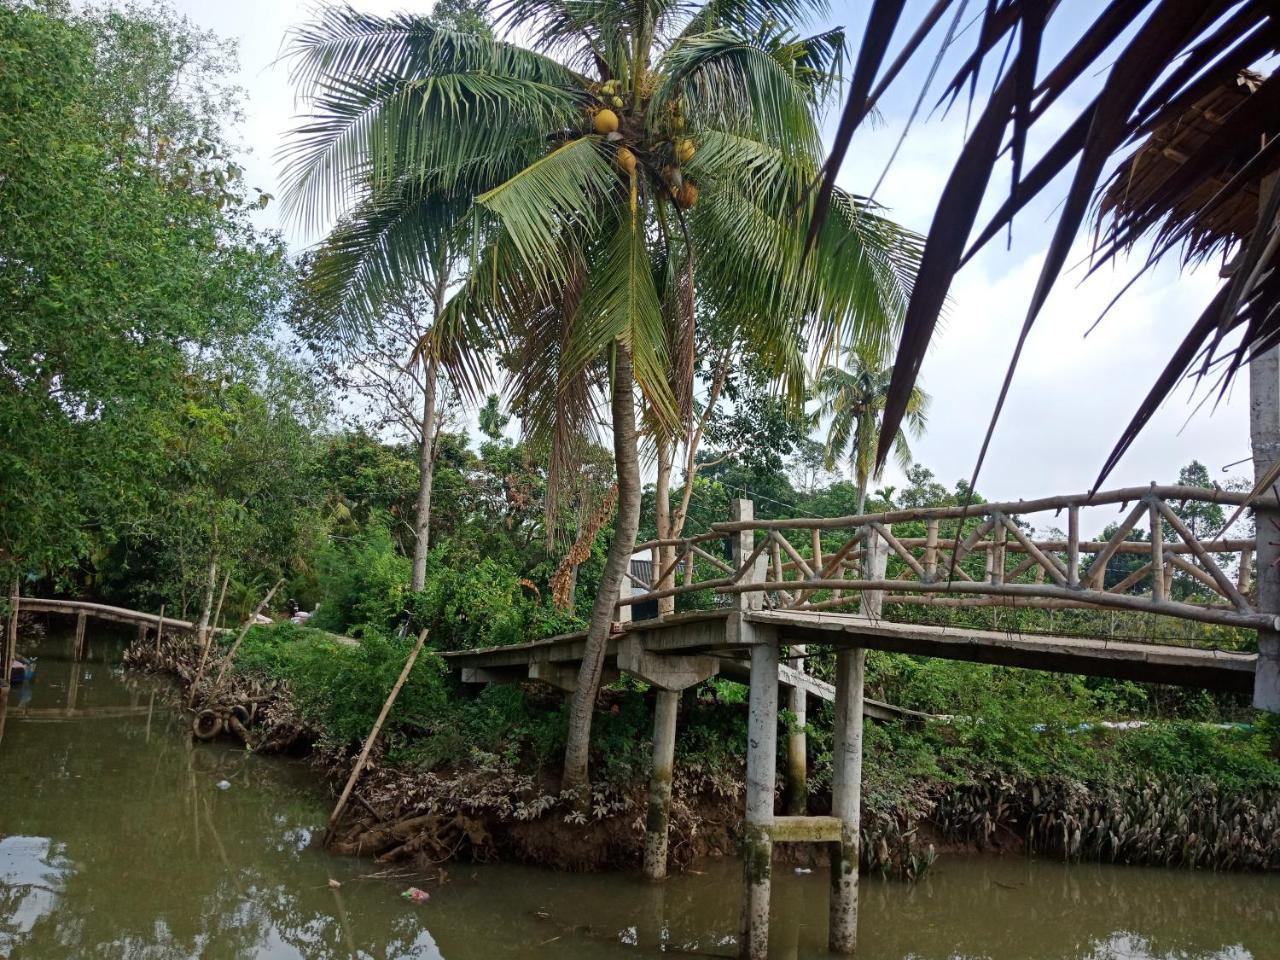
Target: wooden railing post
(875, 561)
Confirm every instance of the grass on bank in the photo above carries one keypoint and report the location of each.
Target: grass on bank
(1001, 720)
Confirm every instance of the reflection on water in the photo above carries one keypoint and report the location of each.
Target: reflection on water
(116, 843)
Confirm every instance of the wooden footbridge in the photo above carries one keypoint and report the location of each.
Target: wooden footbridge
(782, 586)
(770, 589)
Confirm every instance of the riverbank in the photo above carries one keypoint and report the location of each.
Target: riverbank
(462, 775)
(97, 808)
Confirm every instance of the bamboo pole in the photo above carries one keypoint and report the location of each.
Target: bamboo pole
(222, 595)
(931, 550)
(159, 630)
(1224, 582)
(1157, 555)
(244, 630)
(11, 642)
(1018, 507)
(372, 738)
(1122, 601)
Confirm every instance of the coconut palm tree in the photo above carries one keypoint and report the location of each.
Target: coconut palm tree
(854, 397)
(631, 166)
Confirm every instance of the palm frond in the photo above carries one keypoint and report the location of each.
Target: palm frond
(555, 196)
(393, 96)
(1157, 58)
(730, 83)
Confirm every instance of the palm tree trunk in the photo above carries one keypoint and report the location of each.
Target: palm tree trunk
(627, 462)
(426, 463)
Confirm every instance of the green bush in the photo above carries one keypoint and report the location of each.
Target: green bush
(363, 583)
(482, 604)
(339, 687)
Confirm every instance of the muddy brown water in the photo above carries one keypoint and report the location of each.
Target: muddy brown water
(115, 842)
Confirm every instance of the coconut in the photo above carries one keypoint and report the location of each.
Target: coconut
(685, 150)
(606, 122)
(687, 196)
(626, 160)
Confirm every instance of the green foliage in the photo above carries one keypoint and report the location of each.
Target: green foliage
(339, 687)
(127, 255)
(362, 584)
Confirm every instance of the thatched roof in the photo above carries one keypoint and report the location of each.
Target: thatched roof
(1139, 190)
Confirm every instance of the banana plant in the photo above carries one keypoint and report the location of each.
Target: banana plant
(624, 168)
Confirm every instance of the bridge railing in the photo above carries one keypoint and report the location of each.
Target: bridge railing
(986, 555)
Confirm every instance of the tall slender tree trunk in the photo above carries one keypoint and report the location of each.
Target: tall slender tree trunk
(627, 462)
(662, 509)
(206, 608)
(426, 463)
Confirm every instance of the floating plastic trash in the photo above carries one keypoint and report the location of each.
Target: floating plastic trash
(223, 784)
(416, 895)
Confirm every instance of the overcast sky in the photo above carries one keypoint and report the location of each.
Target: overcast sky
(1072, 395)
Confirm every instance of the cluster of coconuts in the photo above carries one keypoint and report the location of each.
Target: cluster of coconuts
(606, 121)
(683, 193)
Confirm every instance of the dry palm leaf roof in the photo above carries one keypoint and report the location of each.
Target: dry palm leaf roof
(1158, 61)
(1208, 220)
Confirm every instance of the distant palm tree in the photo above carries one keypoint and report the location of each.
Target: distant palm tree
(854, 398)
(635, 166)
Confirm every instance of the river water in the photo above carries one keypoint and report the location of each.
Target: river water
(115, 842)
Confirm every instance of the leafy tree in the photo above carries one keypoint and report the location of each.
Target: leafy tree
(636, 162)
(125, 250)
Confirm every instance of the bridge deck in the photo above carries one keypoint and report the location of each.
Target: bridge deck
(100, 611)
(706, 632)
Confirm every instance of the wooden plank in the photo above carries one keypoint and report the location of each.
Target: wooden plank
(805, 830)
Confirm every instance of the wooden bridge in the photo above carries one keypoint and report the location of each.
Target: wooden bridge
(784, 585)
(772, 588)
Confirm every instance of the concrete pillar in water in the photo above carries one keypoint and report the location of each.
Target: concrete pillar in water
(797, 746)
(668, 675)
(762, 761)
(664, 755)
(1264, 436)
(846, 799)
(78, 653)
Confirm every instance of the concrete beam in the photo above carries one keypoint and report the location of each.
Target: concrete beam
(493, 674)
(562, 676)
(1122, 659)
(665, 671)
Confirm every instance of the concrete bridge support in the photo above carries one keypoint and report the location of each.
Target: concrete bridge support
(669, 675)
(797, 793)
(846, 800)
(846, 774)
(1264, 436)
(762, 761)
(79, 640)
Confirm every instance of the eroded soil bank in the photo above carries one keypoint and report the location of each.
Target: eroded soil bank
(485, 808)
